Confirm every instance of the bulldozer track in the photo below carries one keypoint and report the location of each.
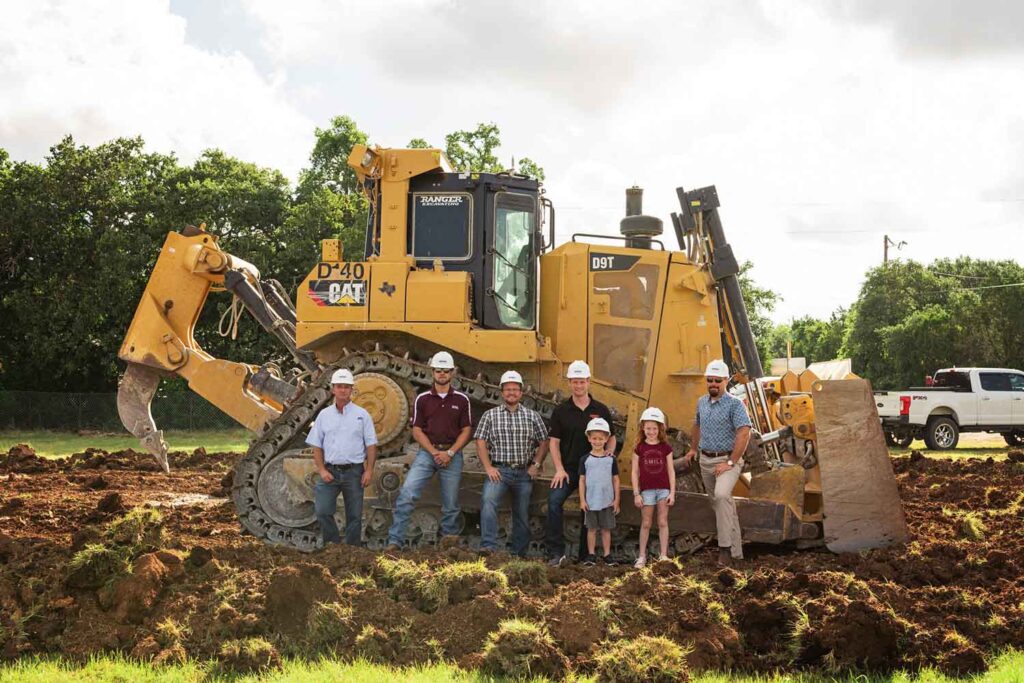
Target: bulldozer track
(287, 433)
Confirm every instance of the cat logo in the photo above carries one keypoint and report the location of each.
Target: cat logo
(338, 292)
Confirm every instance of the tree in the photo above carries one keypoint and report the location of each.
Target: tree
(328, 163)
(473, 151)
(910, 319)
(760, 303)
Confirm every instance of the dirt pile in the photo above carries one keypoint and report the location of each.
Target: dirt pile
(102, 552)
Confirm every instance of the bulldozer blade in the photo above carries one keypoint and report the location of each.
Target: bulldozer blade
(134, 397)
(861, 500)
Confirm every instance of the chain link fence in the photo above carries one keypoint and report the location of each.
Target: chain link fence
(34, 410)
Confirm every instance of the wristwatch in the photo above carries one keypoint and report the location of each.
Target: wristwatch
(729, 462)
(450, 454)
(534, 464)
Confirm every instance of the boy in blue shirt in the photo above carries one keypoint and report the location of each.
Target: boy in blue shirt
(599, 491)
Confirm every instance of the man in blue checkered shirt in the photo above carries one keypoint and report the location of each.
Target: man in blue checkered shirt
(509, 438)
(721, 430)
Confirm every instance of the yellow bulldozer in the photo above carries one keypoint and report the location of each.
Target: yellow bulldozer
(468, 263)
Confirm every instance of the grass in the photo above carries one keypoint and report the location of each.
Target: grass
(1007, 668)
(62, 444)
(972, 445)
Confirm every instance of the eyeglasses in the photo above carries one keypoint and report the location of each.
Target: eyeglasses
(714, 380)
(443, 372)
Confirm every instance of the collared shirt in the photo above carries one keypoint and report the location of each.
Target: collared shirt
(442, 417)
(718, 421)
(569, 426)
(512, 436)
(343, 434)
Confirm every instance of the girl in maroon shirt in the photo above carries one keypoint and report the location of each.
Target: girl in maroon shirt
(654, 481)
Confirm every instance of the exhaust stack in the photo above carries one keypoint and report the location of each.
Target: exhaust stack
(638, 228)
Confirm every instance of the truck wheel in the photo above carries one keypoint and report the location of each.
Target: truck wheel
(894, 441)
(941, 434)
(1014, 438)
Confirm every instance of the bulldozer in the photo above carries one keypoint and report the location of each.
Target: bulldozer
(467, 262)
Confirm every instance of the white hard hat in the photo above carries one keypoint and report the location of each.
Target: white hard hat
(343, 376)
(578, 369)
(654, 414)
(599, 424)
(717, 368)
(511, 376)
(442, 360)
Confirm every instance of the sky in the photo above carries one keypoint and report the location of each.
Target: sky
(824, 125)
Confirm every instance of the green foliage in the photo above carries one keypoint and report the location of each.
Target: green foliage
(522, 649)
(430, 589)
(910, 320)
(760, 303)
(645, 659)
(474, 151)
(812, 339)
(329, 622)
(418, 143)
(139, 529)
(97, 564)
(525, 573)
(249, 655)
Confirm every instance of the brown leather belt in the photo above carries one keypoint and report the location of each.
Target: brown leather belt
(442, 446)
(715, 454)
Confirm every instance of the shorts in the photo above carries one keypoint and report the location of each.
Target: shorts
(600, 519)
(652, 496)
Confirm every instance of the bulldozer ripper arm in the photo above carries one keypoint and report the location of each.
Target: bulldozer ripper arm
(160, 340)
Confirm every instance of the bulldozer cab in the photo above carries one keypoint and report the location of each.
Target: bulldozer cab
(486, 225)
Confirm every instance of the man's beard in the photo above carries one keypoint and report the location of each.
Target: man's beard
(442, 381)
(713, 391)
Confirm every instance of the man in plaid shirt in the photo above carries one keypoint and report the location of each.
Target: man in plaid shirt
(509, 438)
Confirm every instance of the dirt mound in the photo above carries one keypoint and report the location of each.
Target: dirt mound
(523, 649)
(132, 597)
(22, 459)
(292, 593)
(644, 660)
(854, 634)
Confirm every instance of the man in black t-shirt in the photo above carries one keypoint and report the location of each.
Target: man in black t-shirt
(568, 445)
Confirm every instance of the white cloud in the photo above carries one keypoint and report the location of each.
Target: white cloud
(103, 70)
(823, 129)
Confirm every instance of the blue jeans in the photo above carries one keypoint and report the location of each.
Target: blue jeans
(554, 532)
(521, 486)
(325, 503)
(422, 469)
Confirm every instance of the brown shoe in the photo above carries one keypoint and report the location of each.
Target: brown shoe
(392, 548)
(725, 557)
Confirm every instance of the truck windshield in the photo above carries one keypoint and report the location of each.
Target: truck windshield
(952, 379)
(514, 262)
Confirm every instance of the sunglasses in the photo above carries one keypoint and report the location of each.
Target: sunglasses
(442, 372)
(714, 380)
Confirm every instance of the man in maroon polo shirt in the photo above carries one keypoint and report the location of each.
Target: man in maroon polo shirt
(441, 425)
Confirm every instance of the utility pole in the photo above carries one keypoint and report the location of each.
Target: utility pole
(886, 243)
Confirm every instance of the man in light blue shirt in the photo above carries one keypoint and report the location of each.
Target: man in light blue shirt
(344, 449)
(721, 431)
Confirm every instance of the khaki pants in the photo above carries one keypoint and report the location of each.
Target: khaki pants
(720, 491)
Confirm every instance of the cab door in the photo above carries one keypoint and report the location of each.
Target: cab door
(995, 400)
(626, 292)
(1017, 400)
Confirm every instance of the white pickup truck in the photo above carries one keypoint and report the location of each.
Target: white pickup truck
(959, 400)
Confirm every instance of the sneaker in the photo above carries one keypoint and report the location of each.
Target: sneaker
(663, 558)
(610, 560)
(589, 560)
(640, 563)
(557, 561)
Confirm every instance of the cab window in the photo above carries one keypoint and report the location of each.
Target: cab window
(442, 226)
(514, 276)
(994, 381)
